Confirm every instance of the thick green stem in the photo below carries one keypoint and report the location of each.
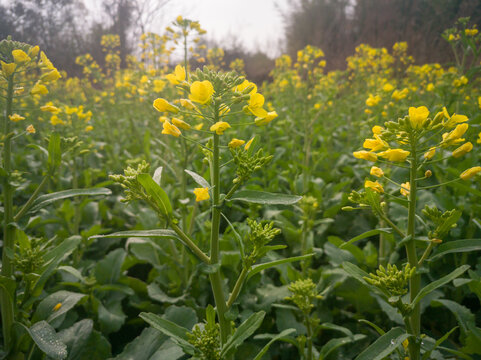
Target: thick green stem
(215, 278)
(237, 287)
(6, 297)
(192, 246)
(415, 281)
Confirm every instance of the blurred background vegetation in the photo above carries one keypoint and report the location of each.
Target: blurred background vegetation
(60, 27)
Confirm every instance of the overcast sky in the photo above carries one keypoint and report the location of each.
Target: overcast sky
(257, 24)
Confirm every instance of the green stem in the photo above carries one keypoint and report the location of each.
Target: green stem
(215, 278)
(192, 246)
(309, 338)
(415, 281)
(7, 297)
(237, 287)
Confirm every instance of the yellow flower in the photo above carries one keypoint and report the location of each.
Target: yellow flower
(162, 105)
(388, 87)
(89, 128)
(430, 87)
(375, 144)
(30, 129)
(8, 69)
(180, 123)
(219, 127)
(374, 185)
(55, 120)
(249, 143)
(246, 84)
(33, 51)
(57, 307)
(395, 154)
(45, 62)
(455, 134)
(201, 91)
(418, 116)
(430, 153)
(254, 105)
(265, 120)
(162, 119)
(50, 108)
(469, 173)
(16, 117)
(201, 194)
(199, 126)
(52, 75)
(170, 129)
(365, 155)
(373, 100)
(479, 139)
(454, 120)
(377, 171)
(399, 95)
(405, 188)
(376, 129)
(470, 32)
(234, 143)
(178, 76)
(159, 85)
(20, 56)
(462, 150)
(39, 89)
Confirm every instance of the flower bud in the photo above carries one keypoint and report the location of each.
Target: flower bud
(428, 173)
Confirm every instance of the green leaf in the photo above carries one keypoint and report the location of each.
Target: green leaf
(259, 267)
(85, 343)
(246, 329)
(359, 274)
(438, 283)
(143, 346)
(198, 179)
(46, 309)
(427, 354)
(276, 337)
(333, 344)
(161, 233)
(374, 326)
(266, 198)
(366, 235)
(171, 329)
(111, 317)
(465, 317)
(329, 326)
(156, 293)
(44, 335)
(54, 152)
(107, 270)
(456, 247)
(47, 199)
(384, 345)
(156, 192)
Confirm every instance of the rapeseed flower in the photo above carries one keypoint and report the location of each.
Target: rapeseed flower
(201, 194)
(178, 76)
(20, 56)
(405, 188)
(16, 117)
(469, 173)
(162, 105)
(377, 171)
(219, 127)
(267, 119)
(8, 69)
(254, 105)
(170, 129)
(201, 91)
(418, 116)
(430, 153)
(39, 89)
(374, 185)
(462, 150)
(375, 144)
(365, 155)
(180, 123)
(398, 155)
(235, 143)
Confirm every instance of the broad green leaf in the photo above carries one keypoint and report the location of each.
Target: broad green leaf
(171, 329)
(259, 267)
(266, 198)
(329, 326)
(438, 283)
(54, 152)
(366, 235)
(44, 335)
(198, 179)
(47, 199)
(333, 344)
(111, 316)
(168, 350)
(162, 233)
(456, 247)
(156, 293)
(384, 345)
(85, 343)
(246, 329)
(143, 346)
(46, 310)
(374, 326)
(465, 317)
(107, 270)
(279, 336)
(158, 194)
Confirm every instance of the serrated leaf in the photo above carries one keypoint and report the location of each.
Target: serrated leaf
(266, 198)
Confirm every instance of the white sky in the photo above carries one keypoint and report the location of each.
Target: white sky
(257, 24)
